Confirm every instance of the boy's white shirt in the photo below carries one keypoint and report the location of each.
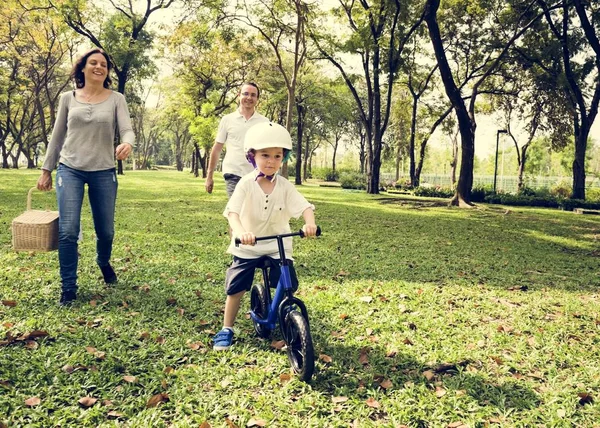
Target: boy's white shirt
(265, 215)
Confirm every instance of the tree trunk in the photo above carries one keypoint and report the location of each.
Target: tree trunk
(419, 169)
(197, 156)
(306, 158)
(466, 125)
(454, 159)
(299, 132)
(579, 162)
(520, 182)
(411, 145)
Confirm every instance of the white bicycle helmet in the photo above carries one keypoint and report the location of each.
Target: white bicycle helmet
(265, 135)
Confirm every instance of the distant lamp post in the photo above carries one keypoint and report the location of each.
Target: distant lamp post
(500, 131)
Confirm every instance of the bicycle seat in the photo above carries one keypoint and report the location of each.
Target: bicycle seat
(267, 263)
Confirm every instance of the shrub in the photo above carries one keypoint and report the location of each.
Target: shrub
(527, 191)
(353, 181)
(331, 175)
(434, 192)
(592, 194)
(404, 185)
(479, 193)
(562, 189)
(522, 200)
(571, 204)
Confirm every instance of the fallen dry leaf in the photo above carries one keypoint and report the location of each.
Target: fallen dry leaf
(33, 401)
(371, 402)
(278, 344)
(156, 399)
(87, 401)
(130, 379)
(337, 400)
(363, 358)
(230, 424)
(325, 358)
(366, 299)
(457, 425)
(386, 384)
(114, 415)
(256, 423)
(429, 374)
(439, 392)
(284, 377)
(585, 398)
(10, 303)
(205, 425)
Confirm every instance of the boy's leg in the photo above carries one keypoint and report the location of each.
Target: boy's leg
(232, 306)
(238, 280)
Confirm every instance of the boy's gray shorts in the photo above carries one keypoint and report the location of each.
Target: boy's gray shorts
(231, 180)
(240, 275)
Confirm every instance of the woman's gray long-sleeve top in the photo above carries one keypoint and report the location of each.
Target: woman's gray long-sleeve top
(84, 133)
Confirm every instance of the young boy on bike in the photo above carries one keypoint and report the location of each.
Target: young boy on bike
(261, 205)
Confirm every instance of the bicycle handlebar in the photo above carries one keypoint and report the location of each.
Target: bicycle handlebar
(300, 233)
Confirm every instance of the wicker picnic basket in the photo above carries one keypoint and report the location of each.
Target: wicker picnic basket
(35, 230)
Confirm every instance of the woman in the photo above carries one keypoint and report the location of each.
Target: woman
(82, 145)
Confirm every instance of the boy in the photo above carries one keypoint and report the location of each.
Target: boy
(262, 204)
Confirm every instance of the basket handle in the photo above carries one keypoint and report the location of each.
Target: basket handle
(29, 197)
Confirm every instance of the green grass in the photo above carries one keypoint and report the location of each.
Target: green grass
(423, 315)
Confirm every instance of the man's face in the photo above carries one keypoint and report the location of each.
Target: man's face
(248, 96)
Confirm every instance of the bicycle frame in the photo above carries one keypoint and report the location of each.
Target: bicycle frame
(284, 293)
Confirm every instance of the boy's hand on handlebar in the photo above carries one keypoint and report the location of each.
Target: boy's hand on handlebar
(310, 229)
(247, 238)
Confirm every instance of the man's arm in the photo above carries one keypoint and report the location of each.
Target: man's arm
(215, 154)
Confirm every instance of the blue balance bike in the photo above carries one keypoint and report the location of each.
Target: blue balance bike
(284, 309)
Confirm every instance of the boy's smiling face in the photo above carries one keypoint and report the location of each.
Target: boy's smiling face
(268, 161)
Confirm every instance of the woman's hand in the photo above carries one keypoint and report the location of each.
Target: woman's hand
(44, 183)
(123, 151)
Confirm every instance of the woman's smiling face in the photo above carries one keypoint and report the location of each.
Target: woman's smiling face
(96, 68)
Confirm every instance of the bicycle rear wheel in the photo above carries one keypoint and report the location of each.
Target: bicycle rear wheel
(300, 349)
(259, 304)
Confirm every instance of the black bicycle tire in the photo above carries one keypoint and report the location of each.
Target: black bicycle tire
(299, 346)
(259, 304)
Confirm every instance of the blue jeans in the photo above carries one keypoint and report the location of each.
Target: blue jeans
(102, 193)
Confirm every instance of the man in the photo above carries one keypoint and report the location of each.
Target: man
(232, 130)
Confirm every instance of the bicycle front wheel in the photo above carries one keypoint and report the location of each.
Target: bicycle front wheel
(300, 349)
(259, 303)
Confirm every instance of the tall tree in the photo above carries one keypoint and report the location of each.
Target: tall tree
(282, 25)
(580, 53)
(488, 35)
(377, 33)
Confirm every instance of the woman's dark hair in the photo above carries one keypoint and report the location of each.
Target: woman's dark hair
(251, 84)
(77, 72)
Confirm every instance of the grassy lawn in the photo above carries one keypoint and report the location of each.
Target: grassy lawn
(422, 315)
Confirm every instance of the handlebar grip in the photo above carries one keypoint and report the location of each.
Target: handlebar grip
(301, 232)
